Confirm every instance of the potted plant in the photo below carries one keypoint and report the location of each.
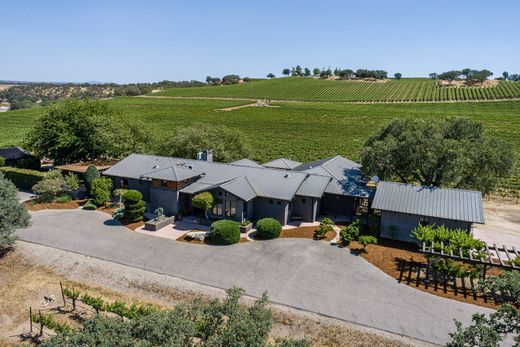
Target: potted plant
(245, 226)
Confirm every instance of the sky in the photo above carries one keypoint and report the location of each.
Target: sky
(153, 40)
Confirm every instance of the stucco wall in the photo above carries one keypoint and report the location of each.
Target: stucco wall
(406, 222)
(262, 208)
(166, 198)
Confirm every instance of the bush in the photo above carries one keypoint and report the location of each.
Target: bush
(203, 201)
(134, 206)
(71, 182)
(366, 240)
(63, 199)
(2, 161)
(50, 186)
(349, 233)
(326, 225)
(90, 205)
(225, 232)
(100, 190)
(22, 178)
(268, 228)
(452, 239)
(89, 176)
(505, 287)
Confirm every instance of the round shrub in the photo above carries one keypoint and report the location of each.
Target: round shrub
(63, 199)
(90, 206)
(268, 228)
(225, 232)
(132, 195)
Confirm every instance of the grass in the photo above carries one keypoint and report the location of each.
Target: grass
(310, 89)
(298, 131)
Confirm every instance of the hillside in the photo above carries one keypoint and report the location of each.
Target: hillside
(310, 89)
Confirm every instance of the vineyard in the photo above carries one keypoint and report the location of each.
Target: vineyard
(310, 89)
(299, 131)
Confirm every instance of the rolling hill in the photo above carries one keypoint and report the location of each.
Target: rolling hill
(391, 90)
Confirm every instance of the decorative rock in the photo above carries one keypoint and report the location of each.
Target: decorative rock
(197, 235)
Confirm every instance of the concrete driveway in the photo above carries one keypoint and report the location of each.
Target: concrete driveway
(301, 273)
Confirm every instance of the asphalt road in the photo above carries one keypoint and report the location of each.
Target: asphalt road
(301, 273)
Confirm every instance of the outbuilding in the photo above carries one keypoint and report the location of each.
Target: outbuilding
(404, 206)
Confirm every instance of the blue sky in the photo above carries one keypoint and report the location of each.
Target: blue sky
(126, 41)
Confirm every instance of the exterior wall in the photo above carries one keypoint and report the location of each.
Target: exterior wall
(406, 222)
(278, 209)
(142, 186)
(166, 198)
(225, 196)
(304, 207)
(338, 205)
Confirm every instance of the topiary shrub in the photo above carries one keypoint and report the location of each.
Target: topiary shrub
(225, 232)
(90, 175)
(204, 201)
(134, 206)
(90, 206)
(268, 228)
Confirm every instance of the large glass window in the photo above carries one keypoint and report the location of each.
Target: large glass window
(231, 208)
(217, 209)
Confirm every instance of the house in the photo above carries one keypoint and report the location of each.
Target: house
(18, 157)
(245, 189)
(404, 206)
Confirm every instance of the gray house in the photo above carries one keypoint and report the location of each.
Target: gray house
(404, 206)
(245, 189)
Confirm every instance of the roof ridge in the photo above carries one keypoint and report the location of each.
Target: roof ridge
(434, 187)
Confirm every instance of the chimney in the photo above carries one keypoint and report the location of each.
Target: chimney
(207, 155)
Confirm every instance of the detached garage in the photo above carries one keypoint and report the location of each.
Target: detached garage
(404, 206)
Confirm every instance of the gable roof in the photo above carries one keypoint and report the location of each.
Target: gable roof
(13, 153)
(246, 162)
(172, 173)
(240, 187)
(282, 163)
(453, 204)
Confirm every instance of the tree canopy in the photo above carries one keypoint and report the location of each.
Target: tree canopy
(227, 144)
(13, 214)
(75, 130)
(452, 152)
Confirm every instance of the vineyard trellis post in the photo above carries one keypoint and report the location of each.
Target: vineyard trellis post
(63, 295)
(30, 319)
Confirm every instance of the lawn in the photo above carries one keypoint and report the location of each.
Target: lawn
(299, 131)
(310, 89)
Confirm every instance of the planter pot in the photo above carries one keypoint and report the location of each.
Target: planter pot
(246, 228)
(154, 225)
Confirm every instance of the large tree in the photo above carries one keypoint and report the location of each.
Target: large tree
(13, 214)
(453, 152)
(450, 76)
(186, 141)
(85, 129)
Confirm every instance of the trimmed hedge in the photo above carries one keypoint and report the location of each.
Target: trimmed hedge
(134, 206)
(225, 232)
(132, 195)
(268, 228)
(22, 178)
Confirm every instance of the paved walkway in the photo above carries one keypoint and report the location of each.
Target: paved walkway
(301, 273)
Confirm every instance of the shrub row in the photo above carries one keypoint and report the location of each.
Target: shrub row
(22, 178)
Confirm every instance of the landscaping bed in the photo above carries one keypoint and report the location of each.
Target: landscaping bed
(206, 241)
(389, 256)
(124, 221)
(305, 233)
(33, 205)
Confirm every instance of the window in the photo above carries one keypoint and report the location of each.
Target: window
(424, 221)
(231, 208)
(164, 183)
(217, 209)
(220, 193)
(304, 201)
(124, 183)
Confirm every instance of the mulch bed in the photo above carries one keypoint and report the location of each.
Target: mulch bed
(305, 233)
(33, 205)
(207, 241)
(390, 255)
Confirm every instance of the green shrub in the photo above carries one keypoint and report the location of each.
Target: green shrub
(225, 232)
(49, 321)
(450, 239)
(245, 223)
(366, 240)
(90, 205)
(517, 261)
(71, 182)
(100, 190)
(349, 233)
(90, 175)
(22, 178)
(63, 199)
(326, 225)
(2, 161)
(268, 228)
(50, 186)
(134, 206)
(96, 303)
(505, 287)
(203, 201)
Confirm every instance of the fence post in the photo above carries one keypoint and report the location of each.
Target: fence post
(62, 295)
(30, 318)
(41, 322)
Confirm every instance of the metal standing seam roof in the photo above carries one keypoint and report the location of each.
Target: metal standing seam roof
(446, 203)
(313, 186)
(240, 187)
(246, 162)
(282, 163)
(172, 174)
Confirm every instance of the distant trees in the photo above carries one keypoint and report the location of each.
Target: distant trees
(307, 72)
(398, 76)
(453, 152)
(214, 81)
(470, 76)
(505, 75)
(316, 71)
(230, 79)
(286, 72)
(377, 74)
(270, 75)
(450, 76)
(433, 76)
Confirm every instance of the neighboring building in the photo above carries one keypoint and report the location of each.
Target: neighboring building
(404, 206)
(245, 189)
(18, 157)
